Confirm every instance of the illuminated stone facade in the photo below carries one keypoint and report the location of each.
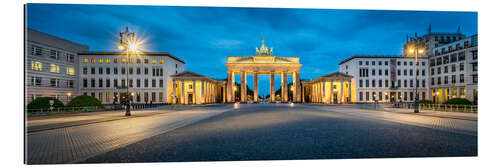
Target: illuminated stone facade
(193, 88)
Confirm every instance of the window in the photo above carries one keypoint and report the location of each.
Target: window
(373, 72)
(411, 72)
(115, 70)
(108, 84)
(439, 61)
(108, 96)
(423, 72)
(138, 70)
(36, 50)
(70, 58)
(405, 83)
(439, 81)
(379, 83)
(367, 96)
(138, 61)
(445, 79)
(380, 72)
(453, 58)
(92, 83)
(373, 83)
(461, 56)
(433, 62)
(386, 83)
(386, 63)
(123, 83)
(423, 83)
(92, 70)
(107, 61)
(161, 83)
(146, 61)
(373, 63)
(146, 98)
(453, 79)
(54, 68)
(70, 70)
(108, 70)
(474, 79)
(404, 63)
(438, 70)
(453, 67)
(130, 61)
(36, 65)
(138, 83)
(146, 84)
(360, 83)
(124, 60)
(146, 71)
(153, 83)
(462, 78)
(411, 63)
(406, 96)
(423, 63)
(432, 71)
(70, 84)
(474, 55)
(399, 83)
(462, 66)
(405, 73)
(432, 81)
(92, 60)
(153, 96)
(466, 44)
(445, 69)
(160, 96)
(399, 95)
(367, 83)
(131, 83)
(37, 81)
(360, 96)
(85, 82)
(153, 61)
(115, 60)
(123, 71)
(411, 96)
(130, 70)
(399, 72)
(379, 63)
(138, 97)
(54, 82)
(101, 70)
(100, 83)
(100, 60)
(474, 67)
(161, 62)
(446, 59)
(386, 72)
(54, 54)
(115, 83)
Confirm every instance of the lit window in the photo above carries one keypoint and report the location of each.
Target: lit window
(92, 60)
(131, 61)
(85, 60)
(124, 60)
(161, 61)
(107, 61)
(153, 61)
(70, 70)
(36, 65)
(115, 60)
(54, 68)
(100, 60)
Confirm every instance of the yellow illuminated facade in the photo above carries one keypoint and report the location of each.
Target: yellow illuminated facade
(192, 88)
(334, 88)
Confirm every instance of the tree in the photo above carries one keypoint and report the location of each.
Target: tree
(83, 101)
(44, 103)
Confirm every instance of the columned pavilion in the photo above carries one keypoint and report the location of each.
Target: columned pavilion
(192, 88)
(334, 88)
(263, 63)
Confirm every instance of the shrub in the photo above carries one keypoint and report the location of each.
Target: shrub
(458, 101)
(83, 101)
(44, 103)
(425, 102)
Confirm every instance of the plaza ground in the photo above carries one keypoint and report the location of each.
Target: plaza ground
(249, 132)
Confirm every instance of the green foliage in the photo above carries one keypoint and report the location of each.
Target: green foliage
(425, 102)
(44, 103)
(83, 101)
(458, 101)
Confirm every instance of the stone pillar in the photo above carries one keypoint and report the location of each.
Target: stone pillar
(330, 94)
(243, 88)
(195, 95)
(174, 87)
(271, 79)
(302, 91)
(229, 90)
(342, 91)
(298, 88)
(223, 94)
(183, 100)
(255, 87)
(350, 97)
(284, 87)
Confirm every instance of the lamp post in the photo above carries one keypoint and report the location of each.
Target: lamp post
(68, 95)
(415, 52)
(128, 45)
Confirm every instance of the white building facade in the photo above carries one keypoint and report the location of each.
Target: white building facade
(51, 68)
(386, 78)
(454, 70)
(103, 75)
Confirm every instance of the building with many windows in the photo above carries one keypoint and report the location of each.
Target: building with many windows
(453, 70)
(386, 78)
(103, 75)
(431, 40)
(51, 66)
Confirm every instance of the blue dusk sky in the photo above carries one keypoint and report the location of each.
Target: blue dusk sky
(204, 36)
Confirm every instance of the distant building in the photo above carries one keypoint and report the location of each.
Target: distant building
(103, 75)
(386, 78)
(51, 66)
(431, 40)
(453, 70)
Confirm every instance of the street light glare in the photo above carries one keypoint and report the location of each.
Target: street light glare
(411, 50)
(421, 51)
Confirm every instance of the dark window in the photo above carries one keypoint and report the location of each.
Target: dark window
(360, 83)
(138, 82)
(108, 84)
(85, 82)
(123, 70)
(100, 70)
(84, 71)
(92, 70)
(462, 66)
(108, 70)
(373, 83)
(115, 70)
(100, 83)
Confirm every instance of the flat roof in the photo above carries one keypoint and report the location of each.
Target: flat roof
(377, 56)
(97, 53)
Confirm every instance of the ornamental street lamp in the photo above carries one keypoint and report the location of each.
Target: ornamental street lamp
(128, 44)
(416, 51)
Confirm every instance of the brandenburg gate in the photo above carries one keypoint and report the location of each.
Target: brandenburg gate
(263, 63)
